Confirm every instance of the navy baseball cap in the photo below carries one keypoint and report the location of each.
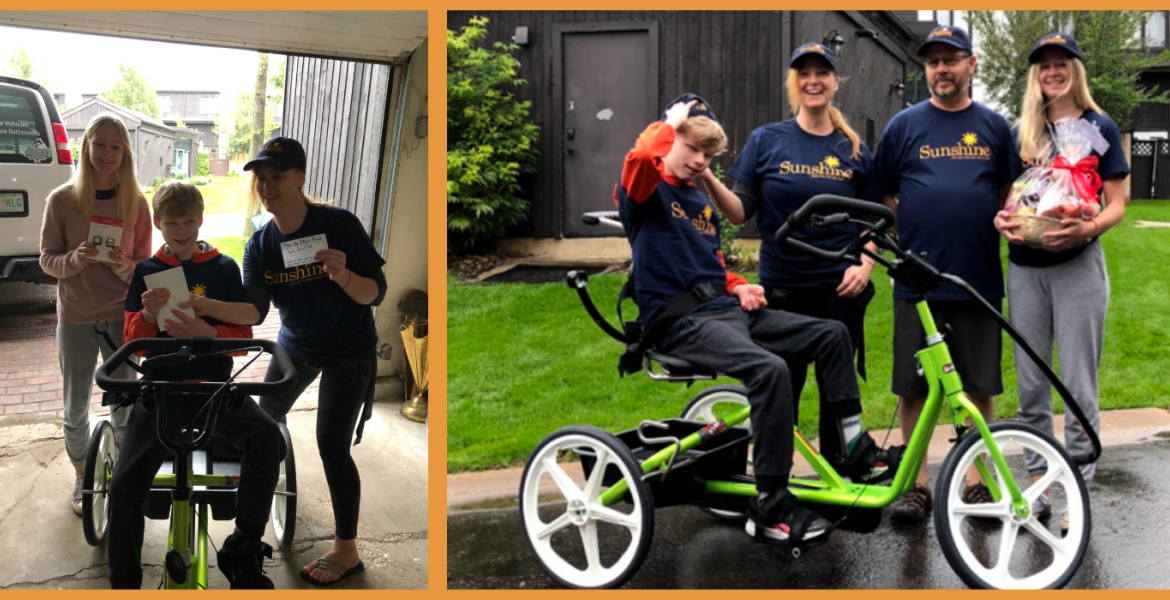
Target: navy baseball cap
(814, 49)
(1056, 40)
(701, 108)
(281, 153)
(946, 34)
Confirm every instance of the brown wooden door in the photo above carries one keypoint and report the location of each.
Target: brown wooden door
(608, 93)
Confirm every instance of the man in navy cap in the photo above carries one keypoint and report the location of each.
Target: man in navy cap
(944, 166)
(691, 307)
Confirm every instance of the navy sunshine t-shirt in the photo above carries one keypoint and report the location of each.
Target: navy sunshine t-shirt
(1110, 164)
(947, 169)
(319, 321)
(786, 166)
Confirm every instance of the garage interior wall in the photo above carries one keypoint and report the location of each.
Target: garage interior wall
(406, 246)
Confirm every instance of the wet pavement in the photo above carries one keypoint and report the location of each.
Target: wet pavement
(1128, 548)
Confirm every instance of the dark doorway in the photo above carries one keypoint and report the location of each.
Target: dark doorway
(606, 88)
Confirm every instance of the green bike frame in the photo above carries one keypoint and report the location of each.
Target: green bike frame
(943, 383)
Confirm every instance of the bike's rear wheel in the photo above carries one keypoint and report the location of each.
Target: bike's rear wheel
(100, 457)
(988, 545)
(718, 402)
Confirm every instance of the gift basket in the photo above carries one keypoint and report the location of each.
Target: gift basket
(1067, 189)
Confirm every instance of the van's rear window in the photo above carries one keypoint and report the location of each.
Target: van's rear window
(24, 137)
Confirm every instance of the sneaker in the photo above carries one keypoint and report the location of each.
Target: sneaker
(241, 560)
(76, 500)
(780, 517)
(1042, 507)
(912, 506)
(977, 494)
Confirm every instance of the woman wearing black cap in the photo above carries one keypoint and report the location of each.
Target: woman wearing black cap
(323, 294)
(782, 166)
(1058, 295)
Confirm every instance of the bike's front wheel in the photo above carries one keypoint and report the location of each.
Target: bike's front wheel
(989, 545)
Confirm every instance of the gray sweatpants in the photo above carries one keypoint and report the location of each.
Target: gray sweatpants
(77, 349)
(1064, 304)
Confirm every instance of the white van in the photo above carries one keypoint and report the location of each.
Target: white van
(34, 160)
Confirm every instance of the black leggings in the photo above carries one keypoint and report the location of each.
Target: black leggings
(345, 384)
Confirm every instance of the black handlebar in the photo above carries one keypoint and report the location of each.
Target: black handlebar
(877, 217)
(184, 350)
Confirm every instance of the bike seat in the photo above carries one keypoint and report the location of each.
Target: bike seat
(677, 367)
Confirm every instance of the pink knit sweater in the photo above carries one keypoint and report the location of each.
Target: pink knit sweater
(89, 292)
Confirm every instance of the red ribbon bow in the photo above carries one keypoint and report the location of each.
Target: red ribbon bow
(1084, 175)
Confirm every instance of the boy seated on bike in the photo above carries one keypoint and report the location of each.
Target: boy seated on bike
(691, 307)
(215, 281)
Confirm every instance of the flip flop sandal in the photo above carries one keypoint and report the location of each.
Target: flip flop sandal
(333, 567)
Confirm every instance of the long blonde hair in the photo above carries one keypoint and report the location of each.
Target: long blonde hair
(840, 123)
(126, 198)
(1034, 143)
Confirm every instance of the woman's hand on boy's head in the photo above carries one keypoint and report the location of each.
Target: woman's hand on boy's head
(179, 325)
(200, 304)
(677, 114)
(152, 302)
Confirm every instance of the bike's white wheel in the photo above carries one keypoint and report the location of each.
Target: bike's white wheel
(714, 403)
(284, 508)
(987, 545)
(100, 457)
(577, 540)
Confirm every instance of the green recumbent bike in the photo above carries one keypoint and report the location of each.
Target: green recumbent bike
(199, 480)
(597, 535)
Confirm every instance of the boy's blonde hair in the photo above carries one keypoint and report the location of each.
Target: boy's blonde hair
(708, 134)
(177, 198)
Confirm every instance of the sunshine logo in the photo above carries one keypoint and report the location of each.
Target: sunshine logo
(706, 212)
(274, 147)
(816, 48)
(970, 139)
(199, 289)
(941, 32)
(832, 162)
(1056, 39)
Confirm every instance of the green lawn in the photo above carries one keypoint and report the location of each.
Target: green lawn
(525, 360)
(232, 246)
(226, 195)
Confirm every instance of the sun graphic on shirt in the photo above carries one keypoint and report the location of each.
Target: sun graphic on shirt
(199, 290)
(707, 212)
(832, 161)
(970, 139)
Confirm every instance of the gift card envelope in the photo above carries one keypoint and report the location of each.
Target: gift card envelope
(176, 282)
(300, 251)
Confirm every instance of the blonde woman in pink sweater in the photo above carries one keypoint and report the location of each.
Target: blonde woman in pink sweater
(90, 290)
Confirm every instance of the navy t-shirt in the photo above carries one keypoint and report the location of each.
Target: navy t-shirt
(786, 166)
(947, 169)
(1109, 165)
(319, 321)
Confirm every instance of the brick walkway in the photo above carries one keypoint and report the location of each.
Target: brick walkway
(30, 373)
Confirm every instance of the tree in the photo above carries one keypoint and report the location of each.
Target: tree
(1114, 57)
(131, 91)
(490, 142)
(258, 97)
(276, 82)
(21, 65)
(240, 131)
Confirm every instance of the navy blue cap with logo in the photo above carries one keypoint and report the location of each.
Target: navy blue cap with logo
(701, 108)
(1063, 41)
(281, 153)
(812, 49)
(946, 34)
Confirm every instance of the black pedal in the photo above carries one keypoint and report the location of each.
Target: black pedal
(176, 566)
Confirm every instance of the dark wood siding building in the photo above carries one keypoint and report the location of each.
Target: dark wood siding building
(597, 78)
(337, 110)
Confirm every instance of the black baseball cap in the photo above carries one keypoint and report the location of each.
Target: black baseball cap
(947, 34)
(1063, 41)
(280, 153)
(813, 49)
(702, 108)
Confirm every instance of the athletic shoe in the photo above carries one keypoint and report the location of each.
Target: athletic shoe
(1042, 507)
(912, 506)
(76, 499)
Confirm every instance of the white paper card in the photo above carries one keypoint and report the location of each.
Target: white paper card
(300, 251)
(175, 281)
(105, 233)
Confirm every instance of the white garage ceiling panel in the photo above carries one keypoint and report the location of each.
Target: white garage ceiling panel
(383, 36)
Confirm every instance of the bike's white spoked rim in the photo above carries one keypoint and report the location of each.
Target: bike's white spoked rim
(582, 510)
(1064, 550)
(280, 503)
(107, 457)
(704, 409)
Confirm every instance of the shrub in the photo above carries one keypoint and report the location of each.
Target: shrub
(180, 175)
(156, 182)
(203, 164)
(490, 143)
(201, 181)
